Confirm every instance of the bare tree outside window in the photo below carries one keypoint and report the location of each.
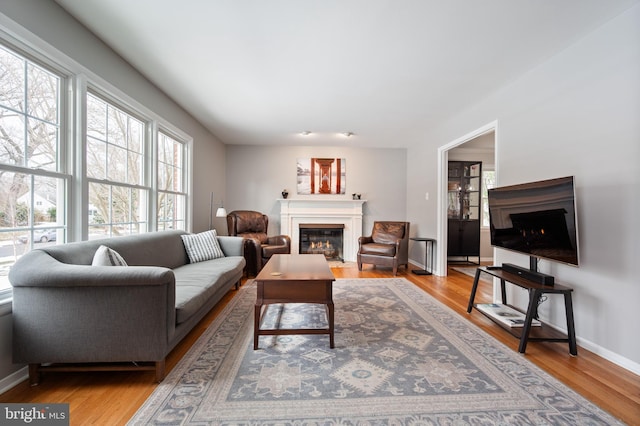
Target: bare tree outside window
(171, 189)
(488, 182)
(29, 147)
(115, 159)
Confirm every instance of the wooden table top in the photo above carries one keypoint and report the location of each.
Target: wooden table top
(285, 267)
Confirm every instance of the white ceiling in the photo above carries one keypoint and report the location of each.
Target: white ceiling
(262, 71)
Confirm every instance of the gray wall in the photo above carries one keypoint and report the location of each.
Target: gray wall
(575, 114)
(256, 176)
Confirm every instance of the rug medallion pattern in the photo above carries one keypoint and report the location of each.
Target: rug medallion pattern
(401, 357)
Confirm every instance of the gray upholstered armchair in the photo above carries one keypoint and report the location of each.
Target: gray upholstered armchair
(388, 245)
(258, 247)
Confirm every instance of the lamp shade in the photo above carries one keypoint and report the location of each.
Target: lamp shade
(221, 212)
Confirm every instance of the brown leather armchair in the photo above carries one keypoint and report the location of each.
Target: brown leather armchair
(258, 247)
(388, 245)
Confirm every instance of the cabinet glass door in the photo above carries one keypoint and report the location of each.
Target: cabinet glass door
(463, 208)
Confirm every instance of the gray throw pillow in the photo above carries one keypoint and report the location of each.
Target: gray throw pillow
(202, 246)
(106, 256)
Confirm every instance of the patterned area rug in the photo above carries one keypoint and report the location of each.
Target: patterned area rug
(401, 358)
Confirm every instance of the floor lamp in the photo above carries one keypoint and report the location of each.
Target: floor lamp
(221, 212)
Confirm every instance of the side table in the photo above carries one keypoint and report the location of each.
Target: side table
(544, 333)
(428, 256)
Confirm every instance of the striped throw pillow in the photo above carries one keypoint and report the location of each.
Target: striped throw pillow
(202, 246)
(106, 256)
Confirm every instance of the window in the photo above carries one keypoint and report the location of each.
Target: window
(115, 170)
(34, 185)
(488, 182)
(124, 192)
(172, 196)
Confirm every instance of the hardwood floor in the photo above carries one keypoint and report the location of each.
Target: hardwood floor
(108, 398)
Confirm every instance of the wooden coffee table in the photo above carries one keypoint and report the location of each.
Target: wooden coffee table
(294, 278)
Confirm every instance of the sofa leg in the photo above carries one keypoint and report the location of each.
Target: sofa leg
(34, 374)
(160, 370)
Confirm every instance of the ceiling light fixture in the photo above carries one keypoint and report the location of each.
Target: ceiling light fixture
(305, 133)
(348, 134)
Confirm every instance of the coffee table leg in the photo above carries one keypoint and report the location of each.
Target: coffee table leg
(330, 310)
(256, 325)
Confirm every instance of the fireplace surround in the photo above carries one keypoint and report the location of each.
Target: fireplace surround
(294, 212)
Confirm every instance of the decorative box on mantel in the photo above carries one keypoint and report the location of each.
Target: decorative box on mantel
(345, 212)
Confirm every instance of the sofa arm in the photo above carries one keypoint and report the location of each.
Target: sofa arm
(280, 240)
(252, 249)
(280, 244)
(365, 240)
(231, 246)
(82, 313)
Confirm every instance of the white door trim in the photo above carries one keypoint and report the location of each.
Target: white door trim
(443, 158)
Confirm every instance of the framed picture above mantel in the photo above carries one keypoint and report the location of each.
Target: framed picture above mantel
(321, 176)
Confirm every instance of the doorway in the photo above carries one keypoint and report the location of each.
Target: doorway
(479, 145)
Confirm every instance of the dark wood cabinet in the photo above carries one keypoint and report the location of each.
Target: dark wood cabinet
(463, 210)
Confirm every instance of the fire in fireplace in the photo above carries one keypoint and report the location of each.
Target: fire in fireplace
(318, 238)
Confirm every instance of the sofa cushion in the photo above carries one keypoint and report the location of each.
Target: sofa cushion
(378, 249)
(106, 256)
(251, 222)
(387, 233)
(197, 282)
(202, 246)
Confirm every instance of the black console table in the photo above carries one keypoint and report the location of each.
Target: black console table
(527, 332)
(428, 266)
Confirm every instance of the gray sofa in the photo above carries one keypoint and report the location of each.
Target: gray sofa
(70, 315)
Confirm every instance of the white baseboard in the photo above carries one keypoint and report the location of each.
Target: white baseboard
(619, 360)
(13, 379)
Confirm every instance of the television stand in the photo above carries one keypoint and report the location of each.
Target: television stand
(526, 333)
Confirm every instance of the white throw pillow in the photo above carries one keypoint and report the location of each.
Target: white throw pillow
(106, 256)
(202, 246)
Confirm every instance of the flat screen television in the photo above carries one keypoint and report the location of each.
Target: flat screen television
(537, 219)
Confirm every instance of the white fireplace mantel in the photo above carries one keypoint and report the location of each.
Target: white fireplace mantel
(294, 212)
